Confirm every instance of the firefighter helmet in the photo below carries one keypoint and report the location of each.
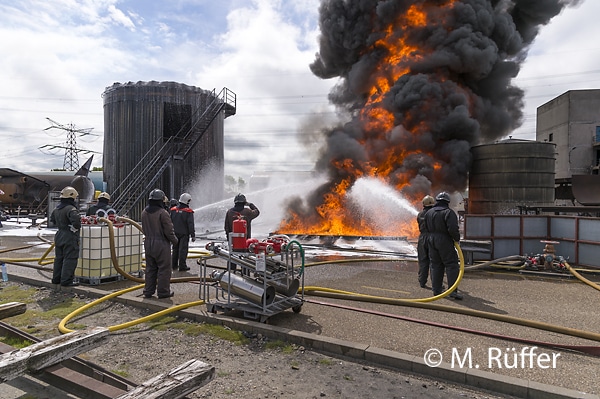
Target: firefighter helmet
(428, 200)
(69, 192)
(443, 196)
(104, 195)
(239, 199)
(157, 194)
(185, 198)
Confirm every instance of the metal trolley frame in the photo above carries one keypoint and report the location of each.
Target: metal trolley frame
(260, 285)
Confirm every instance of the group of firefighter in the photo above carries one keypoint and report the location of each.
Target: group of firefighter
(438, 231)
(167, 225)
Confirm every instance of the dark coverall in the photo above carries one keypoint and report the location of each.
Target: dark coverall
(422, 250)
(101, 205)
(183, 224)
(158, 237)
(442, 224)
(247, 214)
(66, 241)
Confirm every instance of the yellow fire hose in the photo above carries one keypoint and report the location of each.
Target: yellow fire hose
(339, 294)
(332, 293)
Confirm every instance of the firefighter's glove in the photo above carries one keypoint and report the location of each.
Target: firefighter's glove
(251, 206)
(193, 239)
(73, 229)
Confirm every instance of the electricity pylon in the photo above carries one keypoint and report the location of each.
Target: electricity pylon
(71, 160)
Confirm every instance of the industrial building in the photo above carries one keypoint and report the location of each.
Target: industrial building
(161, 134)
(572, 122)
(523, 194)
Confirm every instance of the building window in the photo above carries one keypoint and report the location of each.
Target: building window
(551, 137)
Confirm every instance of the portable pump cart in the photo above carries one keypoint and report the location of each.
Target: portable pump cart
(268, 278)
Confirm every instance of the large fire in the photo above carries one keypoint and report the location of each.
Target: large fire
(420, 83)
(335, 216)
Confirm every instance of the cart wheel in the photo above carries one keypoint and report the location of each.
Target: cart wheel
(297, 309)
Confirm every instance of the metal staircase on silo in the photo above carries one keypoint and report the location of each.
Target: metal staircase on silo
(130, 193)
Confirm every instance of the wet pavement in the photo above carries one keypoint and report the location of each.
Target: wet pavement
(494, 354)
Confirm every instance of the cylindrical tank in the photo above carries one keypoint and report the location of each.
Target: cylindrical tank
(509, 174)
(246, 288)
(139, 115)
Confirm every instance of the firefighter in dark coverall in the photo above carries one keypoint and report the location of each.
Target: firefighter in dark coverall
(240, 210)
(183, 223)
(66, 240)
(158, 237)
(422, 251)
(101, 206)
(442, 226)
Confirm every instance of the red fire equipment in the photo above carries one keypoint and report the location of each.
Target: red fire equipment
(239, 234)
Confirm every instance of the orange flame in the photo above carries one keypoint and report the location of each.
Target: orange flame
(334, 215)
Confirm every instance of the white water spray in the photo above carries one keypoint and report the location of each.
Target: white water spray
(381, 204)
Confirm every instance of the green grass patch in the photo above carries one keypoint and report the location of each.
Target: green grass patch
(17, 293)
(162, 323)
(196, 329)
(122, 373)
(281, 345)
(223, 373)
(28, 320)
(16, 343)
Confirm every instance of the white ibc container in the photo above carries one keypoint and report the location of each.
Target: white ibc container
(95, 262)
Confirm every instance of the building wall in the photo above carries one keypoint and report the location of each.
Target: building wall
(571, 121)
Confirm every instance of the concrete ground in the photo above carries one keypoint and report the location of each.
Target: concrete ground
(505, 357)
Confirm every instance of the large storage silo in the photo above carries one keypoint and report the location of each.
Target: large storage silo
(510, 174)
(138, 116)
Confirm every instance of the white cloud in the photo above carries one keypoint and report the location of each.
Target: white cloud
(60, 55)
(563, 57)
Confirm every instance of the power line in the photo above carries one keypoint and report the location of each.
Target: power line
(71, 160)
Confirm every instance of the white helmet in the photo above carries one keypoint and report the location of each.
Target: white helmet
(185, 198)
(104, 195)
(69, 192)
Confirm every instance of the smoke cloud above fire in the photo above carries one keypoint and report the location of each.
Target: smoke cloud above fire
(420, 82)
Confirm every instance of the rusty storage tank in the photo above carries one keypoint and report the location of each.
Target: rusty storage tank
(509, 174)
(139, 115)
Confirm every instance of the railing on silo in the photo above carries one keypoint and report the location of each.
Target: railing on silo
(131, 192)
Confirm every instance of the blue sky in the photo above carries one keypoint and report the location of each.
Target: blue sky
(58, 56)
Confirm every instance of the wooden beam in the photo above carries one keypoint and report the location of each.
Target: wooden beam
(175, 384)
(52, 351)
(12, 309)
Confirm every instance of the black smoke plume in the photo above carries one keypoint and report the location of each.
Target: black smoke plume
(456, 90)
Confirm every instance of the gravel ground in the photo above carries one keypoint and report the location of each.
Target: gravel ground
(254, 368)
(551, 301)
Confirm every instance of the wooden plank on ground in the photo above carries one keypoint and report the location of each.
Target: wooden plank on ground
(51, 351)
(175, 384)
(12, 309)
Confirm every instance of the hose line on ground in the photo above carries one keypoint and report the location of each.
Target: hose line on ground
(62, 325)
(339, 294)
(429, 299)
